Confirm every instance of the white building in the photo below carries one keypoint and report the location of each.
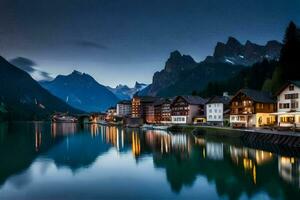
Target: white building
(216, 109)
(288, 98)
(124, 108)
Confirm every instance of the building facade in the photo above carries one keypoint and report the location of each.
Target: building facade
(288, 98)
(143, 107)
(162, 111)
(217, 110)
(184, 109)
(252, 108)
(124, 108)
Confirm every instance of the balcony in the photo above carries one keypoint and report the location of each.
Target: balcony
(241, 111)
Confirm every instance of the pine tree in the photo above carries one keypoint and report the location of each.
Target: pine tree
(194, 93)
(290, 53)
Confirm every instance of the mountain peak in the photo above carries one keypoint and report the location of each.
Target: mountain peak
(25, 94)
(232, 41)
(179, 62)
(139, 86)
(75, 72)
(125, 92)
(77, 75)
(175, 54)
(82, 91)
(248, 42)
(244, 54)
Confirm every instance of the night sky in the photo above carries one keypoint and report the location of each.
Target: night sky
(123, 41)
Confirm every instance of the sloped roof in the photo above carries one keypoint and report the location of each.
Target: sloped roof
(257, 96)
(161, 101)
(146, 99)
(193, 100)
(296, 83)
(219, 99)
(124, 102)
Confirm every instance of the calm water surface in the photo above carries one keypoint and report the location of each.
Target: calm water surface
(68, 161)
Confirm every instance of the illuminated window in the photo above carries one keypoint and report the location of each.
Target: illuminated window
(287, 119)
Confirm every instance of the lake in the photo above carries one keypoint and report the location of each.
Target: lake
(71, 161)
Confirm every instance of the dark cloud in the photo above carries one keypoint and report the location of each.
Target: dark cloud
(45, 75)
(90, 44)
(28, 66)
(24, 64)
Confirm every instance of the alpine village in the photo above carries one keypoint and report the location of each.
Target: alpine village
(90, 108)
(261, 92)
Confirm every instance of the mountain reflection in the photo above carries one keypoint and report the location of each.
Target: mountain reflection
(233, 169)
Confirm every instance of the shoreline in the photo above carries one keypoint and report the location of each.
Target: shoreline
(254, 130)
(253, 136)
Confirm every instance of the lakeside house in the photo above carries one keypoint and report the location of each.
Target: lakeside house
(143, 108)
(252, 108)
(162, 111)
(218, 110)
(288, 99)
(111, 113)
(124, 108)
(92, 118)
(187, 109)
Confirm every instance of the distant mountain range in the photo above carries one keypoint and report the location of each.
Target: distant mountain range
(124, 92)
(81, 91)
(183, 75)
(233, 52)
(23, 97)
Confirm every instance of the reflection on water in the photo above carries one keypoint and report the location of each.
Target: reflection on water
(35, 156)
(289, 169)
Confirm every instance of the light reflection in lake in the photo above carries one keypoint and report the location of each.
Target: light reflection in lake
(169, 165)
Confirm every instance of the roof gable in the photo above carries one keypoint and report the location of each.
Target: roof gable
(255, 95)
(126, 102)
(219, 99)
(296, 83)
(162, 101)
(192, 100)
